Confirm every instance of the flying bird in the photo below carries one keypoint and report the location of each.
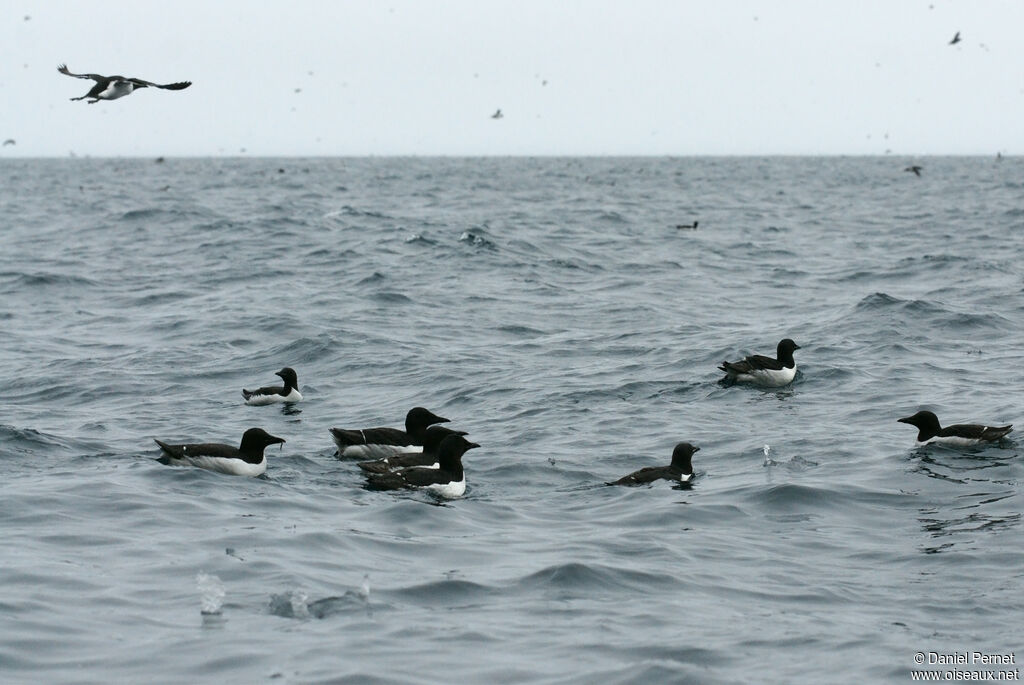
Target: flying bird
(497, 114)
(9, 141)
(956, 39)
(915, 168)
(114, 87)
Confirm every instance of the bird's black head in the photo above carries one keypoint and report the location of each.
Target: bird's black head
(255, 439)
(418, 418)
(784, 352)
(449, 454)
(787, 345)
(922, 419)
(290, 378)
(434, 435)
(682, 456)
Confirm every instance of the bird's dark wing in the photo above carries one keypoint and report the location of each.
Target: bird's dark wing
(204, 449)
(419, 476)
(375, 466)
(973, 431)
(385, 481)
(371, 436)
(755, 362)
(399, 461)
(95, 77)
(269, 390)
(644, 475)
(181, 85)
(176, 451)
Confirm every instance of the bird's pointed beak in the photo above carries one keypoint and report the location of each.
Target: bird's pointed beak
(905, 419)
(696, 449)
(471, 445)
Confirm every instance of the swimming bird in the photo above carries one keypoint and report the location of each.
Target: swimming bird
(448, 480)
(915, 168)
(376, 443)
(432, 438)
(692, 226)
(680, 470)
(271, 394)
(956, 39)
(245, 460)
(114, 87)
(957, 435)
(497, 114)
(764, 371)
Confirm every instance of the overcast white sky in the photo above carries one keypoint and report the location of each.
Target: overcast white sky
(422, 77)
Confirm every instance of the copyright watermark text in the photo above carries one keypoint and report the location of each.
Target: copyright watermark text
(958, 666)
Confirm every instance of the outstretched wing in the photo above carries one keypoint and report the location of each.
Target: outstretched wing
(180, 85)
(63, 68)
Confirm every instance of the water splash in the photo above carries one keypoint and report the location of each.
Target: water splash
(364, 589)
(291, 604)
(211, 594)
(768, 461)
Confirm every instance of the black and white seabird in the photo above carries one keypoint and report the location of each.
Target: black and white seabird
(271, 394)
(245, 460)
(956, 39)
(428, 457)
(957, 435)
(377, 443)
(679, 471)
(692, 226)
(449, 480)
(114, 87)
(916, 168)
(764, 371)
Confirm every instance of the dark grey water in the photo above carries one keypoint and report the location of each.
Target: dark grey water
(550, 308)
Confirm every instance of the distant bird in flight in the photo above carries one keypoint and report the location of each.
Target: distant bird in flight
(9, 141)
(956, 39)
(915, 168)
(113, 87)
(497, 114)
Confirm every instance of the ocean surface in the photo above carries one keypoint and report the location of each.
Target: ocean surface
(551, 308)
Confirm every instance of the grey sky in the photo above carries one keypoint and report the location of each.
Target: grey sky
(422, 77)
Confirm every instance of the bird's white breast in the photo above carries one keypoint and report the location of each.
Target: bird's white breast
(259, 400)
(116, 89)
(234, 467)
(449, 490)
(768, 378)
(379, 451)
(952, 441)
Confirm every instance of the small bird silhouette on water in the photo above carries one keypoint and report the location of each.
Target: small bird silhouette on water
(956, 39)
(113, 87)
(915, 168)
(692, 226)
(497, 114)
